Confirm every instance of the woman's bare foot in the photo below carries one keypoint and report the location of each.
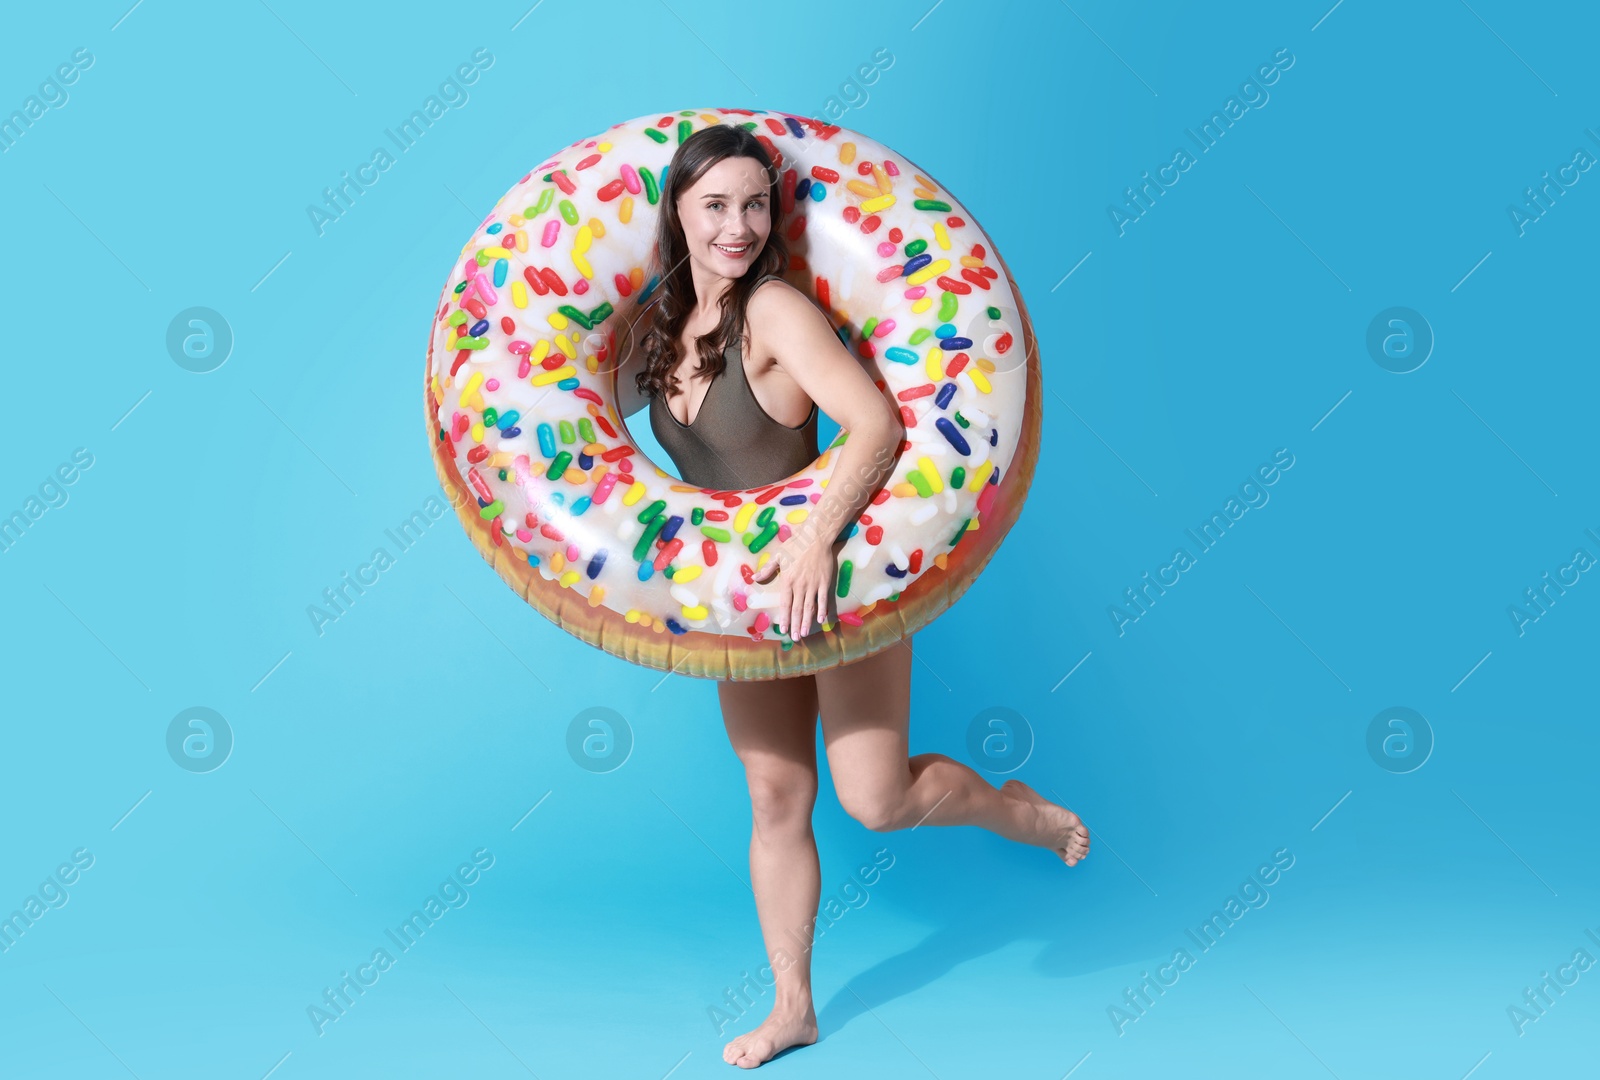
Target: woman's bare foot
(1059, 828)
(777, 1033)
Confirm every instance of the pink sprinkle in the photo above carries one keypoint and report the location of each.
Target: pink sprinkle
(882, 329)
(885, 249)
(572, 552)
(523, 367)
(524, 535)
(518, 347)
(492, 384)
(630, 179)
(917, 293)
(552, 229)
(890, 168)
(581, 286)
(783, 532)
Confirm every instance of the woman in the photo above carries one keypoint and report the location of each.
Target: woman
(733, 370)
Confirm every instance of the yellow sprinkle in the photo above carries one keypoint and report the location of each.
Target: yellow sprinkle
(697, 612)
(765, 555)
(935, 364)
(930, 472)
(941, 237)
(904, 490)
(569, 579)
(566, 347)
(924, 193)
(979, 379)
(919, 306)
(972, 261)
(558, 561)
(597, 594)
(497, 252)
(541, 349)
(882, 202)
(585, 238)
(450, 340)
(499, 459)
(516, 219)
(575, 476)
(522, 240)
(862, 188)
(597, 227)
(980, 476)
(472, 384)
(583, 265)
(847, 153)
(557, 320)
(743, 516)
(603, 147)
(797, 515)
(519, 294)
(594, 449)
(632, 615)
(625, 210)
(986, 364)
(882, 178)
(477, 431)
(635, 493)
(437, 393)
(929, 272)
(545, 378)
(687, 573)
(711, 118)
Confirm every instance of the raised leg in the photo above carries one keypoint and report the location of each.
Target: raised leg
(866, 707)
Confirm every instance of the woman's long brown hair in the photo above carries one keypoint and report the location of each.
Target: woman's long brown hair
(675, 295)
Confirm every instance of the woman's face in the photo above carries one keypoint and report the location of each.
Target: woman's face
(725, 216)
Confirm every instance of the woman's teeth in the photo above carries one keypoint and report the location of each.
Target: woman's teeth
(734, 252)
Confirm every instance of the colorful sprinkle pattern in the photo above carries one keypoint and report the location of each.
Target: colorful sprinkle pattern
(519, 366)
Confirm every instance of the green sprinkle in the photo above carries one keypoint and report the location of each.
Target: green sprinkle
(576, 316)
(586, 430)
(601, 313)
(846, 568)
(492, 511)
(920, 482)
(569, 213)
(915, 248)
(642, 548)
(458, 318)
(685, 129)
(962, 533)
(655, 134)
(866, 327)
(947, 306)
(568, 436)
(696, 516)
(651, 192)
(721, 536)
(994, 312)
(958, 476)
(964, 422)
(490, 415)
(472, 343)
(919, 335)
(558, 466)
(650, 512)
(765, 538)
(931, 204)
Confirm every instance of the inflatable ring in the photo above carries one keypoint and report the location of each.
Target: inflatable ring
(527, 441)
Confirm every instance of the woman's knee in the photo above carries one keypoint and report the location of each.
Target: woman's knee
(781, 795)
(878, 809)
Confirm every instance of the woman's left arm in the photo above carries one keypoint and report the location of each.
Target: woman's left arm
(807, 349)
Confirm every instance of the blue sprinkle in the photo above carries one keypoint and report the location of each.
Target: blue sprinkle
(916, 264)
(672, 624)
(500, 272)
(596, 563)
(670, 529)
(567, 384)
(819, 192)
(946, 392)
(894, 571)
(792, 500)
(547, 441)
(579, 505)
(945, 330)
(900, 355)
(647, 569)
(496, 227)
(509, 418)
(994, 437)
(512, 433)
(479, 328)
(955, 343)
(585, 461)
(948, 430)
(481, 503)
(794, 126)
(803, 188)
(559, 498)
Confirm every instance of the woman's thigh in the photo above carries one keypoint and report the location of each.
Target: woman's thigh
(866, 710)
(772, 725)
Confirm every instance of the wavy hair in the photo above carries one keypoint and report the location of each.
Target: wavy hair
(675, 295)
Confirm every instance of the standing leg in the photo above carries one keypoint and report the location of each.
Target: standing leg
(773, 728)
(866, 708)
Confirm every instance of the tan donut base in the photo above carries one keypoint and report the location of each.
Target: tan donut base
(741, 658)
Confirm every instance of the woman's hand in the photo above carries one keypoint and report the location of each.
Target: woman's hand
(806, 570)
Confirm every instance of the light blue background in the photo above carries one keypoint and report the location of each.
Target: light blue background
(1225, 724)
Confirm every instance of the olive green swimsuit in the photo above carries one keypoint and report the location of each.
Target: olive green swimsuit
(733, 444)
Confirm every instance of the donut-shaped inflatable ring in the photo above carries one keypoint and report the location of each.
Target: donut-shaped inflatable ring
(527, 441)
